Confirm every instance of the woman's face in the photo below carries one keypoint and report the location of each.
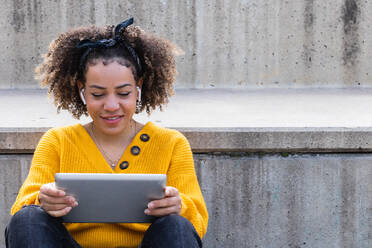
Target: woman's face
(110, 94)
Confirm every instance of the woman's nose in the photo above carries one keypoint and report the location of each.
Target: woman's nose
(111, 104)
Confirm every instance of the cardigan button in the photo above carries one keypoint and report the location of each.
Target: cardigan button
(145, 137)
(123, 165)
(135, 150)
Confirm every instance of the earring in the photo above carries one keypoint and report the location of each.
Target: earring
(82, 96)
(138, 102)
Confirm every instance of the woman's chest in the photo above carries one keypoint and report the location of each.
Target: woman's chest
(135, 159)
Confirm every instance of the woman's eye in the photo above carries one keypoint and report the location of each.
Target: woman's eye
(96, 95)
(124, 94)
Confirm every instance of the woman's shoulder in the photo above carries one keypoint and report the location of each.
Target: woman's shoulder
(65, 131)
(60, 136)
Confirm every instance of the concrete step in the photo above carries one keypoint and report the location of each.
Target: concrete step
(215, 108)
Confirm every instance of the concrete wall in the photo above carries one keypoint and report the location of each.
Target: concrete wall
(265, 201)
(227, 44)
(320, 198)
(302, 200)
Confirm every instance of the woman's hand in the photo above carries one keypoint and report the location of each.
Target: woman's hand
(170, 204)
(55, 201)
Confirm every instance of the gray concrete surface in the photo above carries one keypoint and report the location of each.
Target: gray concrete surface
(210, 140)
(297, 201)
(227, 44)
(313, 188)
(316, 120)
(304, 108)
(265, 201)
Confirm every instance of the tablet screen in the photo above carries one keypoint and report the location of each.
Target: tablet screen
(111, 198)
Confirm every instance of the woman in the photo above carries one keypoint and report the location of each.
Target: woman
(109, 74)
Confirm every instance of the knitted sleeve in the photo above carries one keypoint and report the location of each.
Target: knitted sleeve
(181, 175)
(45, 164)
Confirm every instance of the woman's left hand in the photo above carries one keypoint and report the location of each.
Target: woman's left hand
(170, 204)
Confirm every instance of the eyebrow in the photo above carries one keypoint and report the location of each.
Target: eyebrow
(102, 88)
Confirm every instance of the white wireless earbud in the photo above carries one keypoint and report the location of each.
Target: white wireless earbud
(82, 96)
(139, 93)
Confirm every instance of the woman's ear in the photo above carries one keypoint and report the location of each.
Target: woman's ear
(82, 96)
(81, 93)
(80, 85)
(139, 83)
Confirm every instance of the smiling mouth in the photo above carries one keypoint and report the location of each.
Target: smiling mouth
(112, 118)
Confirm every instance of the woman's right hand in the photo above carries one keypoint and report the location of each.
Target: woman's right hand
(55, 201)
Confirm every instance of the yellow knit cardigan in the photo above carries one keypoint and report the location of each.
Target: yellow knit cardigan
(71, 149)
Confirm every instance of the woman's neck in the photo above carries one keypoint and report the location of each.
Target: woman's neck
(124, 138)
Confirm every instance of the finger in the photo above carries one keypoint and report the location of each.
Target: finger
(69, 200)
(164, 203)
(54, 207)
(50, 189)
(163, 211)
(170, 191)
(59, 213)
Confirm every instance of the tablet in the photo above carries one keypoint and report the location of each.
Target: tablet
(111, 198)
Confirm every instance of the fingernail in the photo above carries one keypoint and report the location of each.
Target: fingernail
(146, 211)
(149, 205)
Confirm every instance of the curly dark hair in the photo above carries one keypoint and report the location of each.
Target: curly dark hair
(61, 69)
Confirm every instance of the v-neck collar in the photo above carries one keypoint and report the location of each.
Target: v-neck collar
(98, 158)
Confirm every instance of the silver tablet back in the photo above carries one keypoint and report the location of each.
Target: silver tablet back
(111, 198)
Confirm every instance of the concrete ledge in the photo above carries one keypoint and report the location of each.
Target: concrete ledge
(223, 120)
(308, 140)
(19, 141)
